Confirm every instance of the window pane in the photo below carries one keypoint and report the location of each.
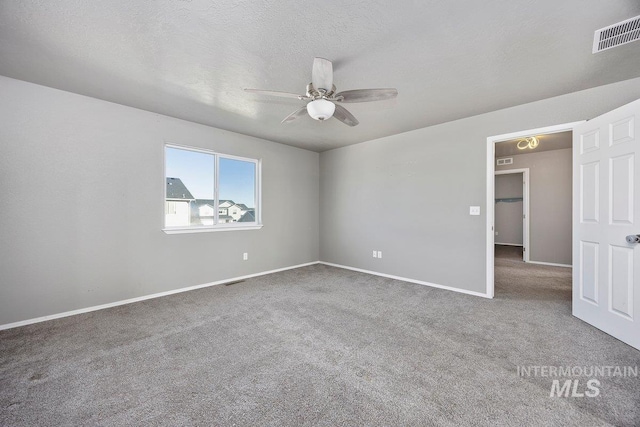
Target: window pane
(189, 180)
(237, 190)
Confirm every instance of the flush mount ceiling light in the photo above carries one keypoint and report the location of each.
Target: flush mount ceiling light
(321, 109)
(530, 142)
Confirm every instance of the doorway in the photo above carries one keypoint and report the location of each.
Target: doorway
(511, 208)
(491, 199)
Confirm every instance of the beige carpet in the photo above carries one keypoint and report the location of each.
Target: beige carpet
(503, 252)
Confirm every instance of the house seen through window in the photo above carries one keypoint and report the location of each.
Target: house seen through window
(207, 190)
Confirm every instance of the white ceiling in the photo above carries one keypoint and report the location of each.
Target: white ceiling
(191, 58)
(547, 142)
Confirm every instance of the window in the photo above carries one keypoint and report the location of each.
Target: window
(207, 191)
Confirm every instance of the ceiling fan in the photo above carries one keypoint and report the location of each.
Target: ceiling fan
(323, 98)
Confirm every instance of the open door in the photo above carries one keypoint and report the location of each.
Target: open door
(606, 188)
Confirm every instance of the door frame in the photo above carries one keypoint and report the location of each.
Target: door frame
(525, 207)
(490, 201)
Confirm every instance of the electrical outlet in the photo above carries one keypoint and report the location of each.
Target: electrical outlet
(379, 254)
(245, 256)
(375, 254)
(496, 233)
(474, 210)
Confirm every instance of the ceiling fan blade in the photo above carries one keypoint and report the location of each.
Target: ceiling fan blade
(367, 95)
(276, 93)
(345, 116)
(322, 74)
(298, 113)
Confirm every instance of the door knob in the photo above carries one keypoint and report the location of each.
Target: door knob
(633, 238)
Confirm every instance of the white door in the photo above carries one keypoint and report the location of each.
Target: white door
(606, 188)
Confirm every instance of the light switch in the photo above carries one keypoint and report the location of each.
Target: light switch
(474, 210)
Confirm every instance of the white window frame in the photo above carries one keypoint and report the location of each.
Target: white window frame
(233, 226)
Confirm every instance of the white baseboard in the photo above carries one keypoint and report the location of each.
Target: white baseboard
(550, 263)
(405, 279)
(509, 244)
(145, 297)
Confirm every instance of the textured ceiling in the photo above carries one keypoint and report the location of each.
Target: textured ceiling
(191, 58)
(547, 142)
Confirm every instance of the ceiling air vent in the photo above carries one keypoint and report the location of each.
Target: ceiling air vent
(505, 161)
(617, 34)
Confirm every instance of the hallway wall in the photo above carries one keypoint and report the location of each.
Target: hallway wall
(550, 204)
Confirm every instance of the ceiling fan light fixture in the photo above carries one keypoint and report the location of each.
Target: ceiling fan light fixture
(323, 102)
(321, 109)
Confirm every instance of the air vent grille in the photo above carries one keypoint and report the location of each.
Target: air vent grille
(617, 34)
(505, 161)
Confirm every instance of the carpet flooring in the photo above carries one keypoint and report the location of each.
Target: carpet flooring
(319, 346)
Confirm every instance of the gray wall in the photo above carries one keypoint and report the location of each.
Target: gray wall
(83, 200)
(550, 210)
(409, 194)
(82, 205)
(508, 215)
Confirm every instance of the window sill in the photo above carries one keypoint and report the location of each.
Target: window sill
(185, 230)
